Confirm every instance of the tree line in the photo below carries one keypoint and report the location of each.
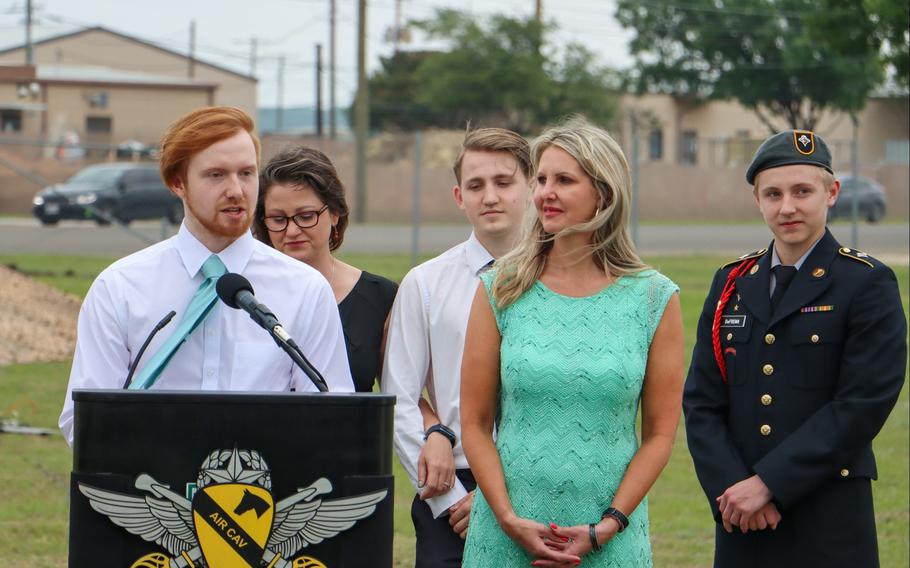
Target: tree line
(786, 60)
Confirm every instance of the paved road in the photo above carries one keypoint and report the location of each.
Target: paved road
(887, 241)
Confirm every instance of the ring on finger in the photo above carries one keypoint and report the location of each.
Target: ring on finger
(446, 484)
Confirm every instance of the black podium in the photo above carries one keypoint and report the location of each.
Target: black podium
(225, 479)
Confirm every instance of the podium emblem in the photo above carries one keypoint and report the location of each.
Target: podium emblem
(232, 520)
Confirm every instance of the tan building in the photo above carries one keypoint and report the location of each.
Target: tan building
(677, 130)
(103, 87)
(692, 157)
(94, 106)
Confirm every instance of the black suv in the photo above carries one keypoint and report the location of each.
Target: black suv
(125, 191)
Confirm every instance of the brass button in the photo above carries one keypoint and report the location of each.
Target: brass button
(769, 339)
(768, 369)
(729, 336)
(766, 399)
(765, 430)
(844, 472)
(754, 269)
(814, 338)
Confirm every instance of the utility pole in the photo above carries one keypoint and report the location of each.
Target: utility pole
(191, 70)
(29, 52)
(361, 115)
(279, 110)
(332, 131)
(538, 10)
(854, 194)
(254, 47)
(396, 39)
(319, 90)
(415, 200)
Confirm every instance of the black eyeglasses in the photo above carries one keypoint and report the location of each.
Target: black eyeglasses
(303, 220)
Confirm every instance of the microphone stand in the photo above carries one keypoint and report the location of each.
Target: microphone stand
(296, 354)
(164, 321)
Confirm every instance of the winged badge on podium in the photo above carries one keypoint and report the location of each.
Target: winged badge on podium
(232, 519)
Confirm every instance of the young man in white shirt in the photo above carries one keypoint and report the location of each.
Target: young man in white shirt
(210, 159)
(426, 338)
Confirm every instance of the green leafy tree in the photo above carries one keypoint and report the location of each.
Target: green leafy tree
(393, 93)
(494, 74)
(582, 86)
(491, 76)
(892, 25)
(787, 60)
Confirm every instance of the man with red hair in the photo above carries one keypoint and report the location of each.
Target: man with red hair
(210, 159)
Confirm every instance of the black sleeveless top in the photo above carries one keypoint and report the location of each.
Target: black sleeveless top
(363, 313)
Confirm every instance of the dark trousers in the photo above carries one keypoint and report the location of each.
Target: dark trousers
(438, 546)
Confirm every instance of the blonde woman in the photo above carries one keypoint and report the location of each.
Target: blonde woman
(572, 332)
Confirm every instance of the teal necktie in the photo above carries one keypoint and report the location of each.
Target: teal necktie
(200, 306)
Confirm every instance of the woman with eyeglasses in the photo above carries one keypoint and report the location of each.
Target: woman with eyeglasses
(302, 212)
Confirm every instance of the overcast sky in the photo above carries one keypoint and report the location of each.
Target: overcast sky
(224, 29)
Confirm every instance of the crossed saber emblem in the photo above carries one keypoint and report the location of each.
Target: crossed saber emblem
(146, 482)
(326, 518)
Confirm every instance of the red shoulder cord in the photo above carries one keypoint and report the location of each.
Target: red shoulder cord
(729, 287)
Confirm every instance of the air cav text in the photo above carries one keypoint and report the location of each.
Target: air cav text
(229, 532)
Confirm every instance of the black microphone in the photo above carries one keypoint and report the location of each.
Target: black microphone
(237, 292)
(164, 321)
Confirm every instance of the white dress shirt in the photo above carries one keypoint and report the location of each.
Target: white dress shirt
(423, 350)
(228, 351)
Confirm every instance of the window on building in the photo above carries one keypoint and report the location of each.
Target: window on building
(97, 99)
(740, 148)
(688, 151)
(897, 151)
(656, 144)
(11, 120)
(98, 124)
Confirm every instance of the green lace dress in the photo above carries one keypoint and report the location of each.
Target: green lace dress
(572, 372)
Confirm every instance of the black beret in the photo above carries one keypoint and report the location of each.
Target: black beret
(787, 148)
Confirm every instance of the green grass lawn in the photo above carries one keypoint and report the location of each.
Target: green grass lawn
(34, 471)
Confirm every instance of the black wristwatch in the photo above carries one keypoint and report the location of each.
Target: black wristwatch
(445, 431)
(618, 515)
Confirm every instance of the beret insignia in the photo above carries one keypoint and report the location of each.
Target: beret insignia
(804, 141)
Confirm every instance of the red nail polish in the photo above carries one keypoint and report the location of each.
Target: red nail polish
(553, 526)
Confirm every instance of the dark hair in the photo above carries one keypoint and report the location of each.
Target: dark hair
(302, 166)
(496, 140)
(195, 132)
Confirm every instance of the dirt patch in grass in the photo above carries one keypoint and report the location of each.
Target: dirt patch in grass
(39, 321)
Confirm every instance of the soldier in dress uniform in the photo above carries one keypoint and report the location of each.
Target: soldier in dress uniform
(800, 357)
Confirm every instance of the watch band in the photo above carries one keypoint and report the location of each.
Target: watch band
(618, 515)
(442, 429)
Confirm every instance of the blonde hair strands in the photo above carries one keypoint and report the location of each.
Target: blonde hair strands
(611, 245)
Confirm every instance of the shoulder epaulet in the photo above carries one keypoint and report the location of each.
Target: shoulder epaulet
(856, 255)
(755, 254)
